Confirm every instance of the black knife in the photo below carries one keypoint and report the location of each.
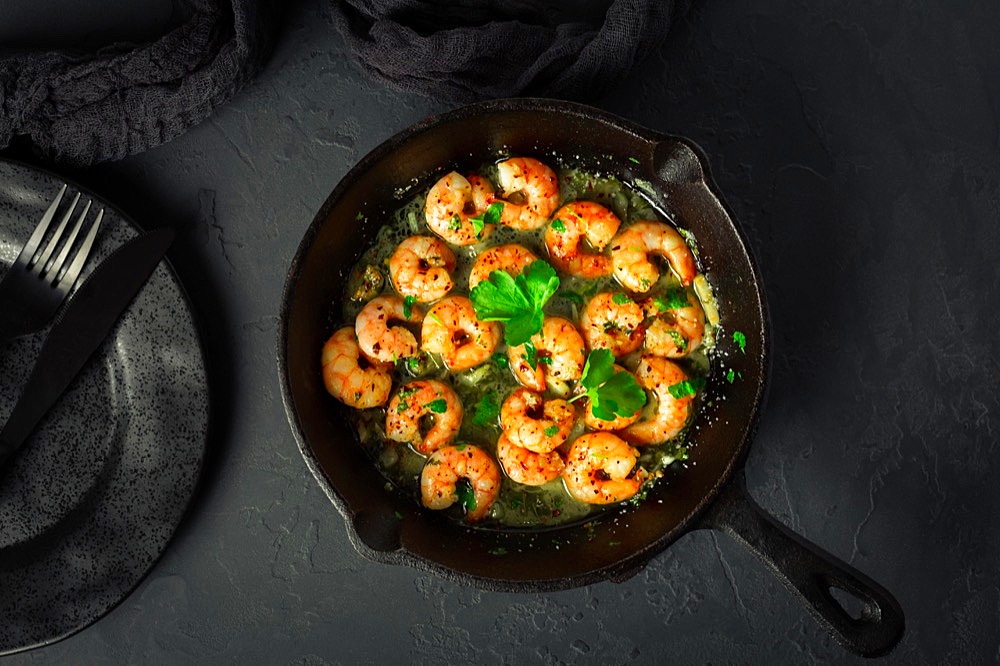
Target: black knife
(80, 329)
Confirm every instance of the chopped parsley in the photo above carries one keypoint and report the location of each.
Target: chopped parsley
(487, 410)
(730, 375)
(686, 387)
(633, 160)
(491, 216)
(455, 223)
(466, 496)
(610, 393)
(408, 306)
(672, 300)
(500, 361)
(559, 226)
(551, 431)
(517, 302)
(741, 340)
(439, 406)
(620, 299)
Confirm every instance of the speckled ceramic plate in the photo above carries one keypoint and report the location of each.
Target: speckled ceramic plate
(91, 500)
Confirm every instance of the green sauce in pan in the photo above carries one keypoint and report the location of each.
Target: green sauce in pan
(517, 506)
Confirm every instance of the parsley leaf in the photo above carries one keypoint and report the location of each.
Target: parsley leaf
(517, 302)
(466, 496)
(455, 223)
(551, 430)
(408, 306)
(740, 340)
(634, 160)
(685, 388)
(439, 406)
(610, 393)
(672, 300)
(501, 361)
(620, 299)
(491, 216)
(559, 226)
(487, 410)
(730, 375)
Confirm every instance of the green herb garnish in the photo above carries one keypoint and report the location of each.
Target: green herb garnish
(491, 216)
(633, 159)
(740, 340)
(516, 302)
(551, 431)
(610, 393)
(559, 226)
(685, 388)
(730, 375)
(408, 306)
(455, 223)
(439, 406)
(620, 299)
(679, 340)
(487, 410)
(672, 300)
(500, 361)
(466, 496)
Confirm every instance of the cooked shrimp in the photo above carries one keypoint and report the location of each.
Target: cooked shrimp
(451, 204)
(656, 374)
(354, 382)
(534, 423)
(618, 423)
(675, 331)
(421, 268)
(511, 258)
(377, 340)
(616, 326)
(559, 357)
(527, 467)
(418, 402)
(601, 469)
(452, 330)
(530, 192)
(570, 225)
(446, 466)
(630, 252)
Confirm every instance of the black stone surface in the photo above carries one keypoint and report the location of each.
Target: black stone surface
(859, 147)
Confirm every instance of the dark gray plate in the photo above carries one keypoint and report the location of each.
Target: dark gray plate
(91, 500)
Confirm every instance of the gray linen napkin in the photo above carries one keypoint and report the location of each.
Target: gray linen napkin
(81, 109)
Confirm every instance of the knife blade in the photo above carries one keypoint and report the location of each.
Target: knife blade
(80, 329)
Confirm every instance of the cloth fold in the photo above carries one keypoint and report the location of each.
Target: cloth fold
(467, 50)
(82, 109)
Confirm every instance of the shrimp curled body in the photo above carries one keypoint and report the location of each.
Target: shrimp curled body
(601, 469)
(559, 350)
(657, 375)
(534, 423)
(446, 466)
(511, 258)
(421, 268)
(451, 204)
(571, 224)
(345, 378)
(530, 192)
(452, 330)
(377, 339)
(674, 332)
(617, 327)
(420, 399)
(630, 252)
(527, 467)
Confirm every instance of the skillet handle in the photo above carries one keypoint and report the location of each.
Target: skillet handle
(811, 573)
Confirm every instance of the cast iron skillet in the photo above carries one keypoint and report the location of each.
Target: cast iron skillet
(388, 526)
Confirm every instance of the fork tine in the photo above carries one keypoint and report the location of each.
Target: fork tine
(39, 233)
(54, 240)
(73, 272)
(57, 264)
